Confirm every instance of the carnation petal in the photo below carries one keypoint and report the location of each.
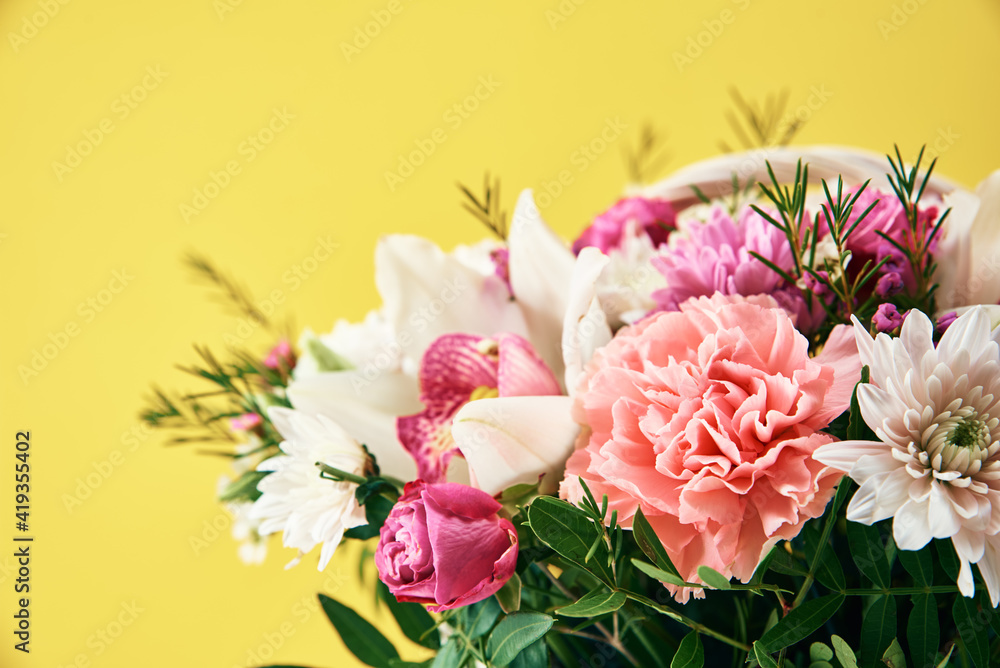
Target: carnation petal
(841, 353)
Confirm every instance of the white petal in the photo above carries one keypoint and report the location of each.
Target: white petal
(917, 335)
(585, 326)
(969, 333)
(511, 440)
(876, 405)
(985, 243)
(366, 408)
(541, 269)
(428, 293)
(866, 344)
(944, 521)
(879, 497)
(843, 455)
(954, 252)
(910, 527)
(989, 568)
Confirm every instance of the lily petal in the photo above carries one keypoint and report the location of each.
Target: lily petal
(585, 326)
(541, 267)
(365, 408)
(428, 293)
(511, 440)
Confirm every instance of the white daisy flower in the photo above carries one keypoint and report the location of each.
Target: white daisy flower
(936, 471)
(309, 510)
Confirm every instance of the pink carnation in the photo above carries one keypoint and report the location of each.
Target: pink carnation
(717, 257)
(707, 418)
(654, 217)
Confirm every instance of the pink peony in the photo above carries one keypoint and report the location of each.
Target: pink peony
(654, 217)
(717, 258)
(444, 545)
(707, 418)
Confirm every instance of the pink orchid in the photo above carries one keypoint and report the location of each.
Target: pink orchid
(457, 369)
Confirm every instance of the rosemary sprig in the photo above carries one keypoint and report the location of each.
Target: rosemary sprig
(231, 293)
(488, 211)
(759, 125)
(921, 231)
(648, 158)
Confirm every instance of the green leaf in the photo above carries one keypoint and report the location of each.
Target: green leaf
(801, 621)
(451, 654)
(377, 508)
(509, 596)
(535, 655)
(713, 578)
(944, 661)
(869, 553)
(244, 488)
(782, 562)
(829, 571)
(877, 630)
(923, 633)
(399, 663)
(479, 618)
(763, 658)
(857, 428)
(654, 572)
(919, 565)
(514, 633)
(845, 655)
(947, 558)
(414, 621)
(820, 664)
(820, 652)
(598, 602)
(690, 653)
(651, 545)
(894, 657)
(763, 566)
(326, 359)
(363, 639)
(972, 629)
(570, 532)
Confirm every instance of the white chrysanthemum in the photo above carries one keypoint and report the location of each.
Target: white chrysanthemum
(295, 500)
(625, 288)
(937, 470)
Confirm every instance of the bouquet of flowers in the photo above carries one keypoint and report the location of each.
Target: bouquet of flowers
(750, 415)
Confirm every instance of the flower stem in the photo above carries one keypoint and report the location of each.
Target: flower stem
(686, 621)
(337, 474)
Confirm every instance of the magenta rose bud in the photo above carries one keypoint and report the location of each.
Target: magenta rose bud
(443, 545)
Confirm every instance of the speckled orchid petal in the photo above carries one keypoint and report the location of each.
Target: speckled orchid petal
(456, 369)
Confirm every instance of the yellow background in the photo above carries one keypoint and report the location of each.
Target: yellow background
(560, 82)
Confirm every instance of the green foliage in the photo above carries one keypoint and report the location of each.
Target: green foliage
(360, 637)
